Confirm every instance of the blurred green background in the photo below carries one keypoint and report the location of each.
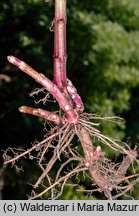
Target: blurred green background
(103, 63)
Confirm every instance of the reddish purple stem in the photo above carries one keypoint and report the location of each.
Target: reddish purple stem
(60, 55)
(63, 90)
(71, 115)
(50, 116)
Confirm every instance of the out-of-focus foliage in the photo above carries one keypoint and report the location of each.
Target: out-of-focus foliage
(103, 63)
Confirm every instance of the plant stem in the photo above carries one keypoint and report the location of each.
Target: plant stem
(71, 115)
(60, 55)
(50, 116)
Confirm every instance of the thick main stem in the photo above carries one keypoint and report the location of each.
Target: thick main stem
(60, 55)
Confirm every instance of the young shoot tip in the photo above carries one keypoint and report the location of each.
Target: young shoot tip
(14, 60)
(9, 58)
(22, 109)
